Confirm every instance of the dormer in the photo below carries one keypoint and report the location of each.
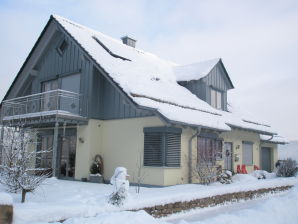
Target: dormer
(208, 80)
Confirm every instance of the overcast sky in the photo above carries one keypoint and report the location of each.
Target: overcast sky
(257, 41)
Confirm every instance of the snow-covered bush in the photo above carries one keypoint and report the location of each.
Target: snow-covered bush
(97, 165)
(287, 168)
(225, 177)
(260, 174)
(17, 169)
(121, 186)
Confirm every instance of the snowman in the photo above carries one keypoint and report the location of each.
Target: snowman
(120, 186)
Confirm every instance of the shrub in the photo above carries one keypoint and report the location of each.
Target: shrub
(287, 168)
(225, 177)
(260, 174)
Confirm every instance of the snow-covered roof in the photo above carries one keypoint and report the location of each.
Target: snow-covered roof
(194, 71)
(152, 82)
(274, 139)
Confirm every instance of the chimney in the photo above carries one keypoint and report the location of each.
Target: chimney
(129, 41)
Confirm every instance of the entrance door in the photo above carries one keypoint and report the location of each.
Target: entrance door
(68, 141)
(266, 159)
(228, 156)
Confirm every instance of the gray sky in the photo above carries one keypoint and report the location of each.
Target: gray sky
(257, 41)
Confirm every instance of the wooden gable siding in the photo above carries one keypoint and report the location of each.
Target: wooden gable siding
(217, 78)
(197, 87)
(53, 65)
(108, 103)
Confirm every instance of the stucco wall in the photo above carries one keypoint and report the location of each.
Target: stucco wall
(237, 137)
(121, 143)
(89, 141)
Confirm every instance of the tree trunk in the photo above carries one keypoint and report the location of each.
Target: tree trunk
(23, 195)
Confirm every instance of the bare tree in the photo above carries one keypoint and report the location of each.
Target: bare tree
(206, 169)
(140, 172)
(19, 154)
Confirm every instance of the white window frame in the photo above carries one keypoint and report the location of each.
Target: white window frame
(216, 99)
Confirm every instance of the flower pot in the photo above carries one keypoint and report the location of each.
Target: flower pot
(96, 178)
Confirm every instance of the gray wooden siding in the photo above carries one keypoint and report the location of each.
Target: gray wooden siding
(108, 103)
(217, 79)
(52, 65)
(197, 87)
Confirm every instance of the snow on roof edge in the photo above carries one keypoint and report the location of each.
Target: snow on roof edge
(274, 139)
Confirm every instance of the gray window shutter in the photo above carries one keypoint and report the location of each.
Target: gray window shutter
(153, 149)
(173, 149)
(247, 153)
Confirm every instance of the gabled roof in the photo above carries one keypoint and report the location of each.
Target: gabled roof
(151, 82)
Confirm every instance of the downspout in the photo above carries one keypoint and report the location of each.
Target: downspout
(190, 154)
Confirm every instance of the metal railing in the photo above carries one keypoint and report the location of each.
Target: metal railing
(41, 103)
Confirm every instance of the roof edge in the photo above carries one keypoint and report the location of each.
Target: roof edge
(227, 74)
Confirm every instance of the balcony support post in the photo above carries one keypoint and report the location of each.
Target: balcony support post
(55, 150)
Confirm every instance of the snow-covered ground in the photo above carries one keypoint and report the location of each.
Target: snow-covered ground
(273, 209)
(75, 201)
(288, 151)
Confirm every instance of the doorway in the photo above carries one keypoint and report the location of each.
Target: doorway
(228, 156)
(266, 159)
(67, 153)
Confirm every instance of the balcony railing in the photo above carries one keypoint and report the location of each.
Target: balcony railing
(42, 104)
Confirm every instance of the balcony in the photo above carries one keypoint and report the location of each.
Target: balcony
(54, 105)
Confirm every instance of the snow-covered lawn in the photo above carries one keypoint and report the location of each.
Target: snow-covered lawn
(276, 209)
(72, 200)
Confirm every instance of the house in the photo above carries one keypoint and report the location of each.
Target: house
(88, 94)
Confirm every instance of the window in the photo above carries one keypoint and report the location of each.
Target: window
(162, 146)
(216, 99)
(62, 47)
(45, 143)
(209, 150)
(247, 153)
(49, 100)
